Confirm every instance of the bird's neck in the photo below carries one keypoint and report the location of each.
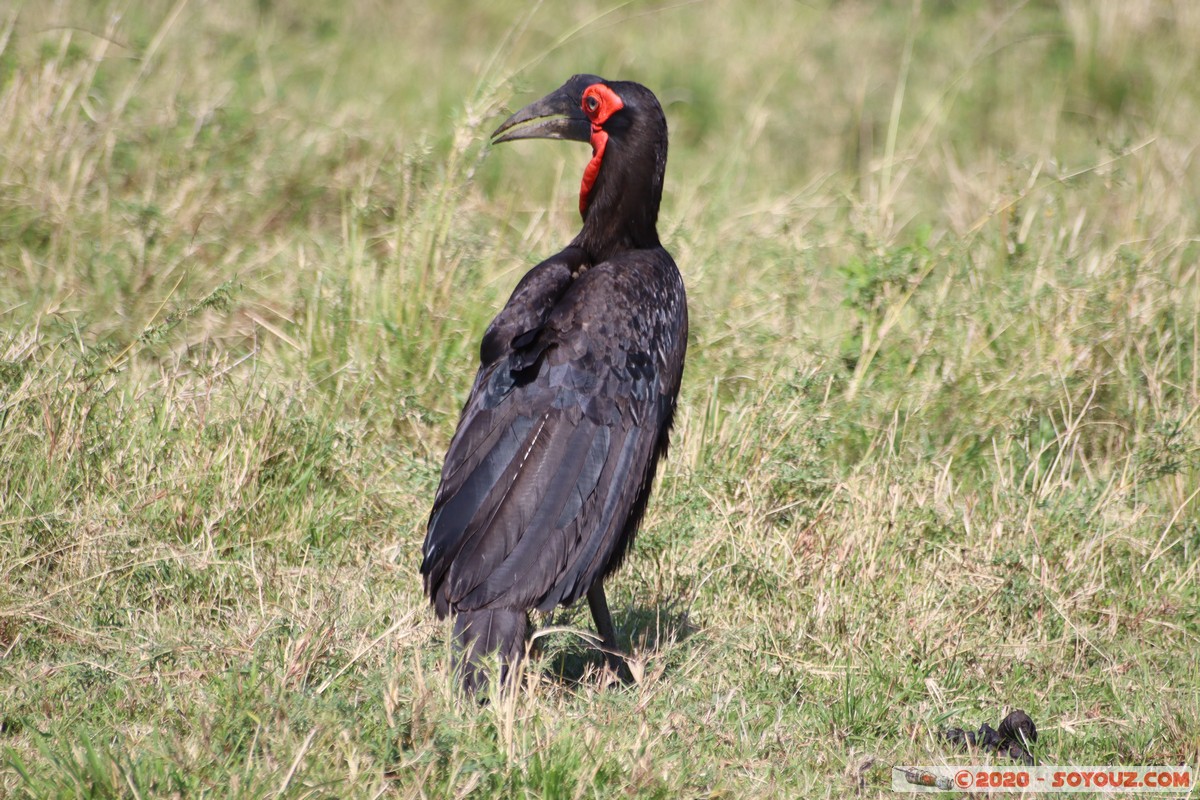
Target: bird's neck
(604, 236)
(621, 212)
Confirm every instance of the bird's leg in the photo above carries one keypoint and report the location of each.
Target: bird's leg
(604, 625)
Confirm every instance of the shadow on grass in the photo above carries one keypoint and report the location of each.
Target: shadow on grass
(643, 634)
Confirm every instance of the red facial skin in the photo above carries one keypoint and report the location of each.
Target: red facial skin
(599, 103)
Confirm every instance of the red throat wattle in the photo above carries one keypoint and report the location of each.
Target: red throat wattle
(599, 103)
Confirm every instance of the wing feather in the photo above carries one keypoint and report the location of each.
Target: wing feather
(548, 472)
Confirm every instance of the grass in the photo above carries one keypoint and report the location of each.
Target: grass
(938, 449)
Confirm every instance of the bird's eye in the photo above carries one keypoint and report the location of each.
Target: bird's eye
(591, 103)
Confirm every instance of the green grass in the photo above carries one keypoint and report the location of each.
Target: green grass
(938, 448)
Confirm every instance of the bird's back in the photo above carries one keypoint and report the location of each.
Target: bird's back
(547, 476)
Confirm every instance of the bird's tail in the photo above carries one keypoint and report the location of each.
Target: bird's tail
(478, 634)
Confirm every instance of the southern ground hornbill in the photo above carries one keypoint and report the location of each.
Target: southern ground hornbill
(548, 474)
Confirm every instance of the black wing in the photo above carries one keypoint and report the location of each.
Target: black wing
(550, 467)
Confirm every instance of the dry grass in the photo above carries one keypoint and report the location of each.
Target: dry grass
(937, 454)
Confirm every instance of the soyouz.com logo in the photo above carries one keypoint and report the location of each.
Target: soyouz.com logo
(1052, 778)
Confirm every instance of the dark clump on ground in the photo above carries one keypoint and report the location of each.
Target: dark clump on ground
(1014, 738)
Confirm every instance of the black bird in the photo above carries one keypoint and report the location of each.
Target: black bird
(548, 474)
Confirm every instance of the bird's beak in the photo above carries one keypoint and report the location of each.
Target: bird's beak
(558, 115)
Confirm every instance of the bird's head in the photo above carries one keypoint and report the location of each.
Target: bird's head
(627, 129)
